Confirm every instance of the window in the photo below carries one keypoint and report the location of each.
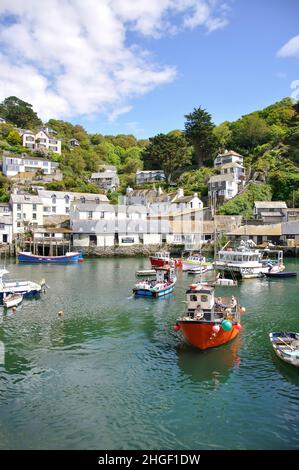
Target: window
(19, 216)
(67, 210)
(97, 200)
(82, 199)
(53, 199)
(102, 215)
(2, 226)
(34, 207)
(204, 298)
(193, 298)
(53, 209)
(18, 224)
(67, 199)
(90, 214)
(34, 216)
(18, 207)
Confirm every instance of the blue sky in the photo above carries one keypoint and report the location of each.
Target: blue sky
(153, 66)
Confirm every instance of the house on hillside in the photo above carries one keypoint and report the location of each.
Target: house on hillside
(270, 212)
(13, 165)
(27, 212)
(229, 156)
(224, 186)
(74, 143)
(60, 202)
(235, 169)
(149, 176)
(41, 140)
(106, 179)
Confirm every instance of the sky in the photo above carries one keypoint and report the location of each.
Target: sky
(138, 66)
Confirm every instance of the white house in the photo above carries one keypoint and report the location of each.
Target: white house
(107, 225)
(41, 140)
(149, 176)
(106, 179)
(5, 229)
(27, 212)
(229, 156)
(14, 165)
(223, 185)
(59, 202)
(158, 201)
(235, 169)
(270, 212)
(74, 143)
(5, 209)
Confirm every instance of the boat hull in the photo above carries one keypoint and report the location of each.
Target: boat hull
(30, 258)
(280, 274)
(290, 354)
(153, 293)
(158, 262)
(13, 302)
(201, 336)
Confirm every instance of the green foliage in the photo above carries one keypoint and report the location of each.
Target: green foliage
(14, 138)
(197, 181)
(170, 153)
(249, 131)
(243, 203)
(199, 133)
(223, 134)
(19, 113)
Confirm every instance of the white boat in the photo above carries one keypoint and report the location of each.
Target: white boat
(12, 300)
(162, 285)
(26, 288)
(286, 346)
(195, 261)
(198, 270)
(247, 262)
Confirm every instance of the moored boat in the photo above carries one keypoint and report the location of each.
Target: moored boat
(246, 262)
(160, 259)
(208, 322)
(26, 288)
(280, 274)
(286, 346)
(69, 257)
(162, 285)
(12, 300)
(195, 262)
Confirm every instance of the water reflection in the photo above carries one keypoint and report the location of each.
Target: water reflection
(214, 364)
(288, 371)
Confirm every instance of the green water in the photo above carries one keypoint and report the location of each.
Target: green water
(112, 374)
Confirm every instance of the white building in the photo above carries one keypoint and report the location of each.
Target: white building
(5, 229)
(158, 201)
(74, 143)
(224, 186)
(27, 212)
(235, 169)
(150, 176)
(41, 140)
(106, 225)
(106, 179)
(229, 156)
(14, 165)
(59, 202)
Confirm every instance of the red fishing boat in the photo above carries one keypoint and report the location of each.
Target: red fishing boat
(209, 322)
(161, 259)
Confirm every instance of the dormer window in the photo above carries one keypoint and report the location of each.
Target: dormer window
(97, 200)
(67, 199)
(83, 200)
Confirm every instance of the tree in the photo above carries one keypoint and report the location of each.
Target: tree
(14, 138)
(199, 132)
(250, 131)
(223, 134)
(169, 153)
(19, 113)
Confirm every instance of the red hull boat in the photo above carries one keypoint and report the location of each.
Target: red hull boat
(209, 323)
(160, 259)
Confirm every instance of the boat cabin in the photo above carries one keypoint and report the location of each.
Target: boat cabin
(202, 305)
(239, 257)
(164, 274)
(164, 255)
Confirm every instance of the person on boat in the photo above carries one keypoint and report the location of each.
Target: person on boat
(219, 302)
(198, 314)
(233, 302)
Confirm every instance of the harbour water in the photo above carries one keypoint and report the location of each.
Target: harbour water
(112, 374)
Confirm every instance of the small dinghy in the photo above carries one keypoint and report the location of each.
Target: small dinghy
(286, 346)
(12, 300)
(281, 274)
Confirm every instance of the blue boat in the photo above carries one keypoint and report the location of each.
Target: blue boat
(162, 285)
(69, 257)
(280, 274)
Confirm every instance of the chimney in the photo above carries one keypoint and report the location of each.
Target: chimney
(180, 192)
(195, 194)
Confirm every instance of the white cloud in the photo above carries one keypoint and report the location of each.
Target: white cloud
(74, 57)
(290, 49)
